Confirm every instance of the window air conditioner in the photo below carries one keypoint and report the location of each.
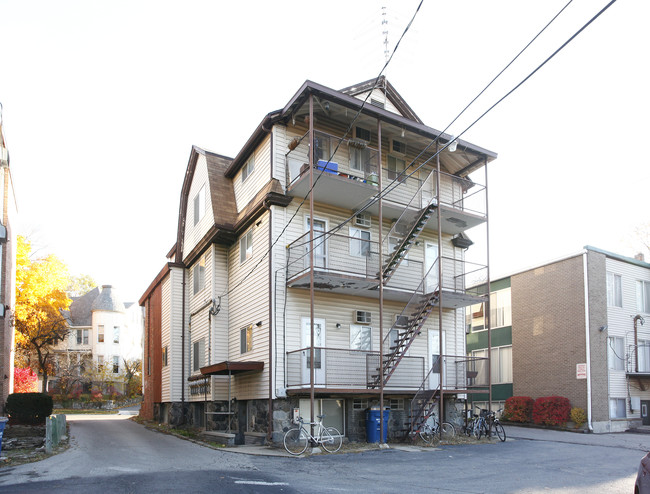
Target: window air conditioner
(362, 317)
(363, 220)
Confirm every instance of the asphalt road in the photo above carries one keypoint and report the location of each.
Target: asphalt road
(111, 454)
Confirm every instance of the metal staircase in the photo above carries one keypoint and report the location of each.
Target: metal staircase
(423, 404)
(416, 313)
(412, 231)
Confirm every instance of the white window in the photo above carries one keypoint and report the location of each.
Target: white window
(116, 364)
(500, 308)
(198, 350)
(82, 337)
(614, 291)
(615, 353)
(321, 147)
(360, 156)
(395, 168)
(198, 275)
(502, 365)
(246, 339)
(246, 247)
(100, 362)
(248, 168)
(100, 333)
(199, 205)
(360, 337)
(617, 408)
(644, 355)
(359, 242)
(399, 146)
(643, 296)
(393, 244)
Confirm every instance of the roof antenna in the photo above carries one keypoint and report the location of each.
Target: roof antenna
(384, 24)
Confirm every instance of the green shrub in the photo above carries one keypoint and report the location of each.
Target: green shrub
(578, 417)
(518, 409)
(551, 410)
(29, 408)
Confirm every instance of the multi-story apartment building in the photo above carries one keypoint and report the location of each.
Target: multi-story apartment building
(104, 333)
(7, 272)
(321, 270)
(574, 327)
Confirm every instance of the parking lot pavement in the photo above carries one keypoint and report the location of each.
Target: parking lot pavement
(627, 440)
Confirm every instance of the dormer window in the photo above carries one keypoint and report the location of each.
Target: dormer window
(248, 168)
(199, 205)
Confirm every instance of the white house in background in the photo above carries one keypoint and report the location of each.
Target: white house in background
(103, 331)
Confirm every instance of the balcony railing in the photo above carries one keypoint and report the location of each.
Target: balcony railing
(348, 369)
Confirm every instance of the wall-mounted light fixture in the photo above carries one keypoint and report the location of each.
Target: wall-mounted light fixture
(602, 328)
(454, 144)
(258, 324)
(338, 325)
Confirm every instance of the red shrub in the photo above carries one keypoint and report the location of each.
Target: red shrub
(551, 410)
(25, 381)
(518, 409)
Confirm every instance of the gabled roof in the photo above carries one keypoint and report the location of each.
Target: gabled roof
(387, 88)
(456, 163)
(80, 313)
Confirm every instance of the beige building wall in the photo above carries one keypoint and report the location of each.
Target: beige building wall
(548, 319)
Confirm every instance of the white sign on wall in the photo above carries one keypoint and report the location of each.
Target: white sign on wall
(581, 371)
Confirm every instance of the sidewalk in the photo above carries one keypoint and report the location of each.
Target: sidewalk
(627, 440)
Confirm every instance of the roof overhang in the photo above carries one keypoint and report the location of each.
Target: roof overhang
(228, 367)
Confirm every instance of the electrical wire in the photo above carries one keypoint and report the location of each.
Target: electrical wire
(340, 141)
(400, 177)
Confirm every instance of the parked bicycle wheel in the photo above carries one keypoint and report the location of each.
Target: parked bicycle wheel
(332, 439)
(295, 441)
(426, 434)
(501, 432)
(448, 430)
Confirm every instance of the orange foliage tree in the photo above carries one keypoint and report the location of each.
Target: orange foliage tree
(40, 299)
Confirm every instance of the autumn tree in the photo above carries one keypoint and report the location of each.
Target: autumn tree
(40, 300)
(80, 285)
(133, 376)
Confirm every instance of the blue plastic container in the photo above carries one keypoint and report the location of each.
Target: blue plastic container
(373, 426)
(3, 421)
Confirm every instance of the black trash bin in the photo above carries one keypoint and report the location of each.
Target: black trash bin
(373, 427)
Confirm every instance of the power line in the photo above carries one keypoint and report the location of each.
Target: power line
(226, 292)
(386, 190)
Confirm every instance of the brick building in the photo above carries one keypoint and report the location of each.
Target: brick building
(575, 329)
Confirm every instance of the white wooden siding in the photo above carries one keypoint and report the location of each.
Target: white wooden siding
(176, 335)
(219, 275)
(165, 330)
(378, 94)
(245, 191)
(620, 323)
(248, 301)
(194, 233)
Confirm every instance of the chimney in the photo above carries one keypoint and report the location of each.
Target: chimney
(639, 257)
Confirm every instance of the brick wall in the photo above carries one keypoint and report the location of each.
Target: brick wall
(152, 361)
(548, 331)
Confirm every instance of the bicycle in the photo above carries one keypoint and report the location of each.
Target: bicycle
(429, 432)
(496, 425)
(477, 426)
(297, 439)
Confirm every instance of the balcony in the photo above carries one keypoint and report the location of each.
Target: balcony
(350, 180)
(350, 266)
(347, 370)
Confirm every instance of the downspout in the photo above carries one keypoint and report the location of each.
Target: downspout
(183, 344)
(271, 325)
(587, 339)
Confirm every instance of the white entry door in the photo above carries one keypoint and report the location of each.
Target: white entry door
(434, 357)
(319, 355)
(430, 267)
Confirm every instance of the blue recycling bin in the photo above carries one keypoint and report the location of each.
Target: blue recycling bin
(3, 421)
(373, 426)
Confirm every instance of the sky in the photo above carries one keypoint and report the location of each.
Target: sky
(102, 101)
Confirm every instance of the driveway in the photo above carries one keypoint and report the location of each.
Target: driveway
(109, 453)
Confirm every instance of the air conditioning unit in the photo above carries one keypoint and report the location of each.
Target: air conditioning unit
(401, 321)
(362, 317)
(363, 219)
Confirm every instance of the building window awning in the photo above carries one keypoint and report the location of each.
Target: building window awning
(229, 367)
